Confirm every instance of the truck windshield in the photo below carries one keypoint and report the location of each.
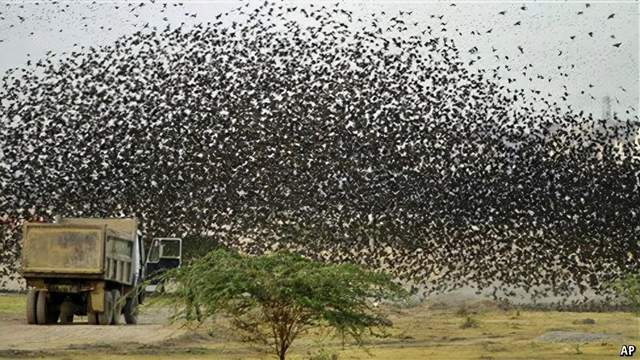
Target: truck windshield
(154, 253)
(171, 249)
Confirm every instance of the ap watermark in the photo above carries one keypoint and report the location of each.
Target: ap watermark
(627, 350)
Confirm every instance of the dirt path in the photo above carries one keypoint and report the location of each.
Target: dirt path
(15, 334)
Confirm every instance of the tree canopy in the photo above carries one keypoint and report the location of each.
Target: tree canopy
(275, 298)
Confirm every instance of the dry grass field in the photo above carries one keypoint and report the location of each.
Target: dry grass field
(472, 330)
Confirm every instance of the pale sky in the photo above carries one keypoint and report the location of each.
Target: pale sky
(544, 31)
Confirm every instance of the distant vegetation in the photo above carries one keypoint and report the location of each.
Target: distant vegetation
(628, 287)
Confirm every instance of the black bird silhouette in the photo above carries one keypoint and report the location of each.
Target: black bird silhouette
(342, 140)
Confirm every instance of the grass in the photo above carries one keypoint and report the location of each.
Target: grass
(469, 323)
(420, 332)
(11, 303)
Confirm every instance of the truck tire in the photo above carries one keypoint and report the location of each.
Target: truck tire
(66, 312)
(41, 308)
(46, 311)
(92, 318)
(105, 317)
(131, 310)
(117, 307)
(32, 298)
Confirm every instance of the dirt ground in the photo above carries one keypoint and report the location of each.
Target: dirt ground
(16, 334)
(469, 330)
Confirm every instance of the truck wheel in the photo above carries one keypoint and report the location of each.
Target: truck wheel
(32, 298)
(66, 312)
(105, 317)
(47, 310)
(41, 308)
(92, 318)
(117, 307)
(131, 310)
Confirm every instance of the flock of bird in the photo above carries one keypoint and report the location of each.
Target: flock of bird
(342, 138)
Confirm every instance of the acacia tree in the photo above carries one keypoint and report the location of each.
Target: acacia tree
(273, 299)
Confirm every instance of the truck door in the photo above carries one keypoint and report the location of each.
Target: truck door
(164, 254)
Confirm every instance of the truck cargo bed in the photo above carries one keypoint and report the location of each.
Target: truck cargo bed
(76, 250)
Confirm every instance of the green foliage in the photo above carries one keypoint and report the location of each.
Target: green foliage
(196, 246)
(323, 354)
(628, 287)
(272, 299)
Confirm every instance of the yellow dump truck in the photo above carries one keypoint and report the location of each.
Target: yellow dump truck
(82, 266)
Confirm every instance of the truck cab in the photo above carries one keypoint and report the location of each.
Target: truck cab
(164, 254)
